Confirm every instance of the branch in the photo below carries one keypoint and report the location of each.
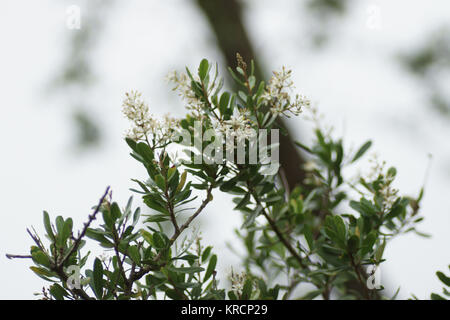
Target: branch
(169, 206)
(77, 242)
(358, 274)
(59, 267)
(119, 261)
(18, 256)
(277, 231)
(191, 218)
(144, 270)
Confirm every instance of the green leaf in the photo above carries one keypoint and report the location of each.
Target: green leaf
(205, 254)
(186, 285)
(242, 95)
(157, 218)
(353, 243)
(261, 88)
(151, 203)
(58, 292)
(182, 181)
(159, 241)
(251, 82)
(397, 208)
(136, 216)
(159, 180)
(173, 294)
(392, 172)
(364, 207)
(336, 230)
(132, 144)
(59, 224)
(232, 295)
(251, 216)
(66, 232)
(115, 211)
(302, 146)
(223, 103)
(435, 296)
(187, 270)
(307, 232)
(340, 227)
(147, 236)
(41, 258)
(98, 278)
(380, 251)
(243, 202)
(203, 69)
(362, 150)
(311, 295)
(134, 254)
(247, 290)
(43, 273)
(188, 257)
(211, 267)
(228, 185)
(48, 226)
(145, 152)
(443, 278)
(368, 242)
(98, 235)
(235, 77)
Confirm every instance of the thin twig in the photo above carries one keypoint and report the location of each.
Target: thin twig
(170, 207)
(277, 231)
(77, 242)
(18, 256)
(119, 261)
(144, 270)
(358, 274)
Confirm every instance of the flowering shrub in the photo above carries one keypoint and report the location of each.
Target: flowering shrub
(329, 232)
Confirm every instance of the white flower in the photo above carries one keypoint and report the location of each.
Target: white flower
(134, 108)
(145, 126)
(239, 126)
(310, 166)
(237, 120)
(277, 94)
(237, 282)
(386, 178)
(182, 84)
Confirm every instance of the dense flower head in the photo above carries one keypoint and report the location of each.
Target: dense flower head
(145, 126)
(277, 94)
(239, 126)
(386, 178)
(134, 107)
(182, 84)
(237, 282)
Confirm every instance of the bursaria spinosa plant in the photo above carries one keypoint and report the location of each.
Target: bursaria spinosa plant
(329, 232)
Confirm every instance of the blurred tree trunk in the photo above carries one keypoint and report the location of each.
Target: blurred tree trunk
(226, 22)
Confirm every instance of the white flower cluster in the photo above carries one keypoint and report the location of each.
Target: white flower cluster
(237, 282)
(182, 84)
(277, 94)
(239, 127)
(389, 194)
(145, 126)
